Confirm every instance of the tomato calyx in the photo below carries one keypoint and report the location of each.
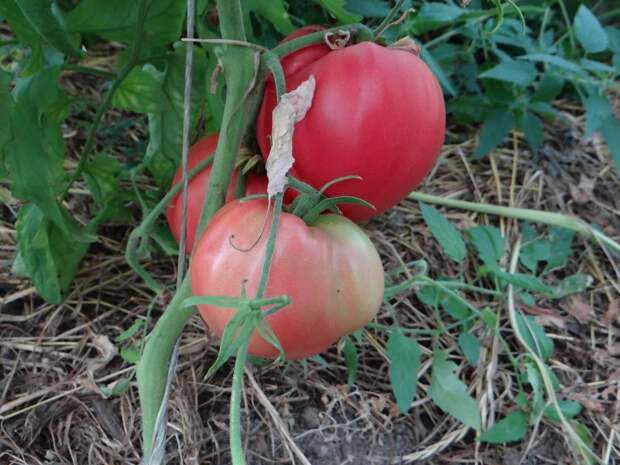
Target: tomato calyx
(311, 203)
(406, 44)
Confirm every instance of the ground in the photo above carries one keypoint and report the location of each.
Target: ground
(54, 357)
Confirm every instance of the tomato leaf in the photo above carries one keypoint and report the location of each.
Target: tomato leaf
(450, 394)
(509, 429)
(49, 256)
(518, 72)
(337, 9)
(275, 12)
(447, 235)
(140, 91)
(131, 354)
(129, 332)
(611, 133)
(496, 127)
(524, 281)
(404, 355)
(470, 346)
(588, 31)
(46, 18)
(489, 243)
(116, 20)
(598, 108)
(572, 284)
(549, 88)
(350, 356)
(554, 60)
(532, 127)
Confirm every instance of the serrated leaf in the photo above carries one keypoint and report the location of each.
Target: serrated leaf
(447, 235)
(534, 336)
(116, 20)
(496, 127)
(450, 394)
(337, 9)
(45, 17)
(588, 31)
(560, 247)
(275, 12)
(102, 178)
(404, 355)
(532, 127)
(549, 88)
(470, 346)
(521, 73)
(569, 408)
(350, 356)
(509, 429)
(50, 257)
(523, 281)
(554, 60)
(489, 243)
(140, 91)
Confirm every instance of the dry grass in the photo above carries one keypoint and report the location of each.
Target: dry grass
(53, 357)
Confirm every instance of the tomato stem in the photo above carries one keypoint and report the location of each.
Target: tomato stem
(236, 447)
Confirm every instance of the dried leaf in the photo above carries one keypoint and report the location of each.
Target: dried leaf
(107, 351)
(579, 309)
(613, 310)
(582, 193)
(589, 403)
(290, 110)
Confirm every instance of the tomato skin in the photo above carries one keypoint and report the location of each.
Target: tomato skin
(331, 271)
(377, 113)
(197, 190)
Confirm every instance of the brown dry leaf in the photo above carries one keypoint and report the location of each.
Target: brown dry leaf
(614, 349)
(582, 193)
(613, 310)
(551, 320)
(579, 309)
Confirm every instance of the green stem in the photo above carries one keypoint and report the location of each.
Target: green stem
(569, 26)
(553, 219)
(380, 29)
(136, 48)
(152, 368)
(236, 447)
(271, 243)
(361, 32)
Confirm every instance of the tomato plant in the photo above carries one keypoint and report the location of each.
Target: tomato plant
(197, 189)
(377, 112)
(331, 271)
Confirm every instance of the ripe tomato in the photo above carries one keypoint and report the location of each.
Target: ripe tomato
(197, 190)
(331, 271)
(377, 113)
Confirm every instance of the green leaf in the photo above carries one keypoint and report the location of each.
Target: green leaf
(166, 126)
(25, 33)
(569, 408)
(140, 91)
(533, 378)
(554, 60)
(596, 66)
(470, 346)
(611, 133)
(102, 178)
(560, 247)
(337, 9)
(489, 243)
(598, 109)
(130, 332)
(46, 18)
(588, 31)
(433, 15)
(350, 356)
(275, 12)
(50, 257)
(521, 73)
(116, 20)
(549, 88)
(496, 127)
(6, 105)
(119, 388)
(509, 429)
(450, 394)
(572, 285)
(404, 355)
(524, 281)
(534, 336)
(438, 71)
(131, 354)
(447, 235)
(369, 8)
(532, 127)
